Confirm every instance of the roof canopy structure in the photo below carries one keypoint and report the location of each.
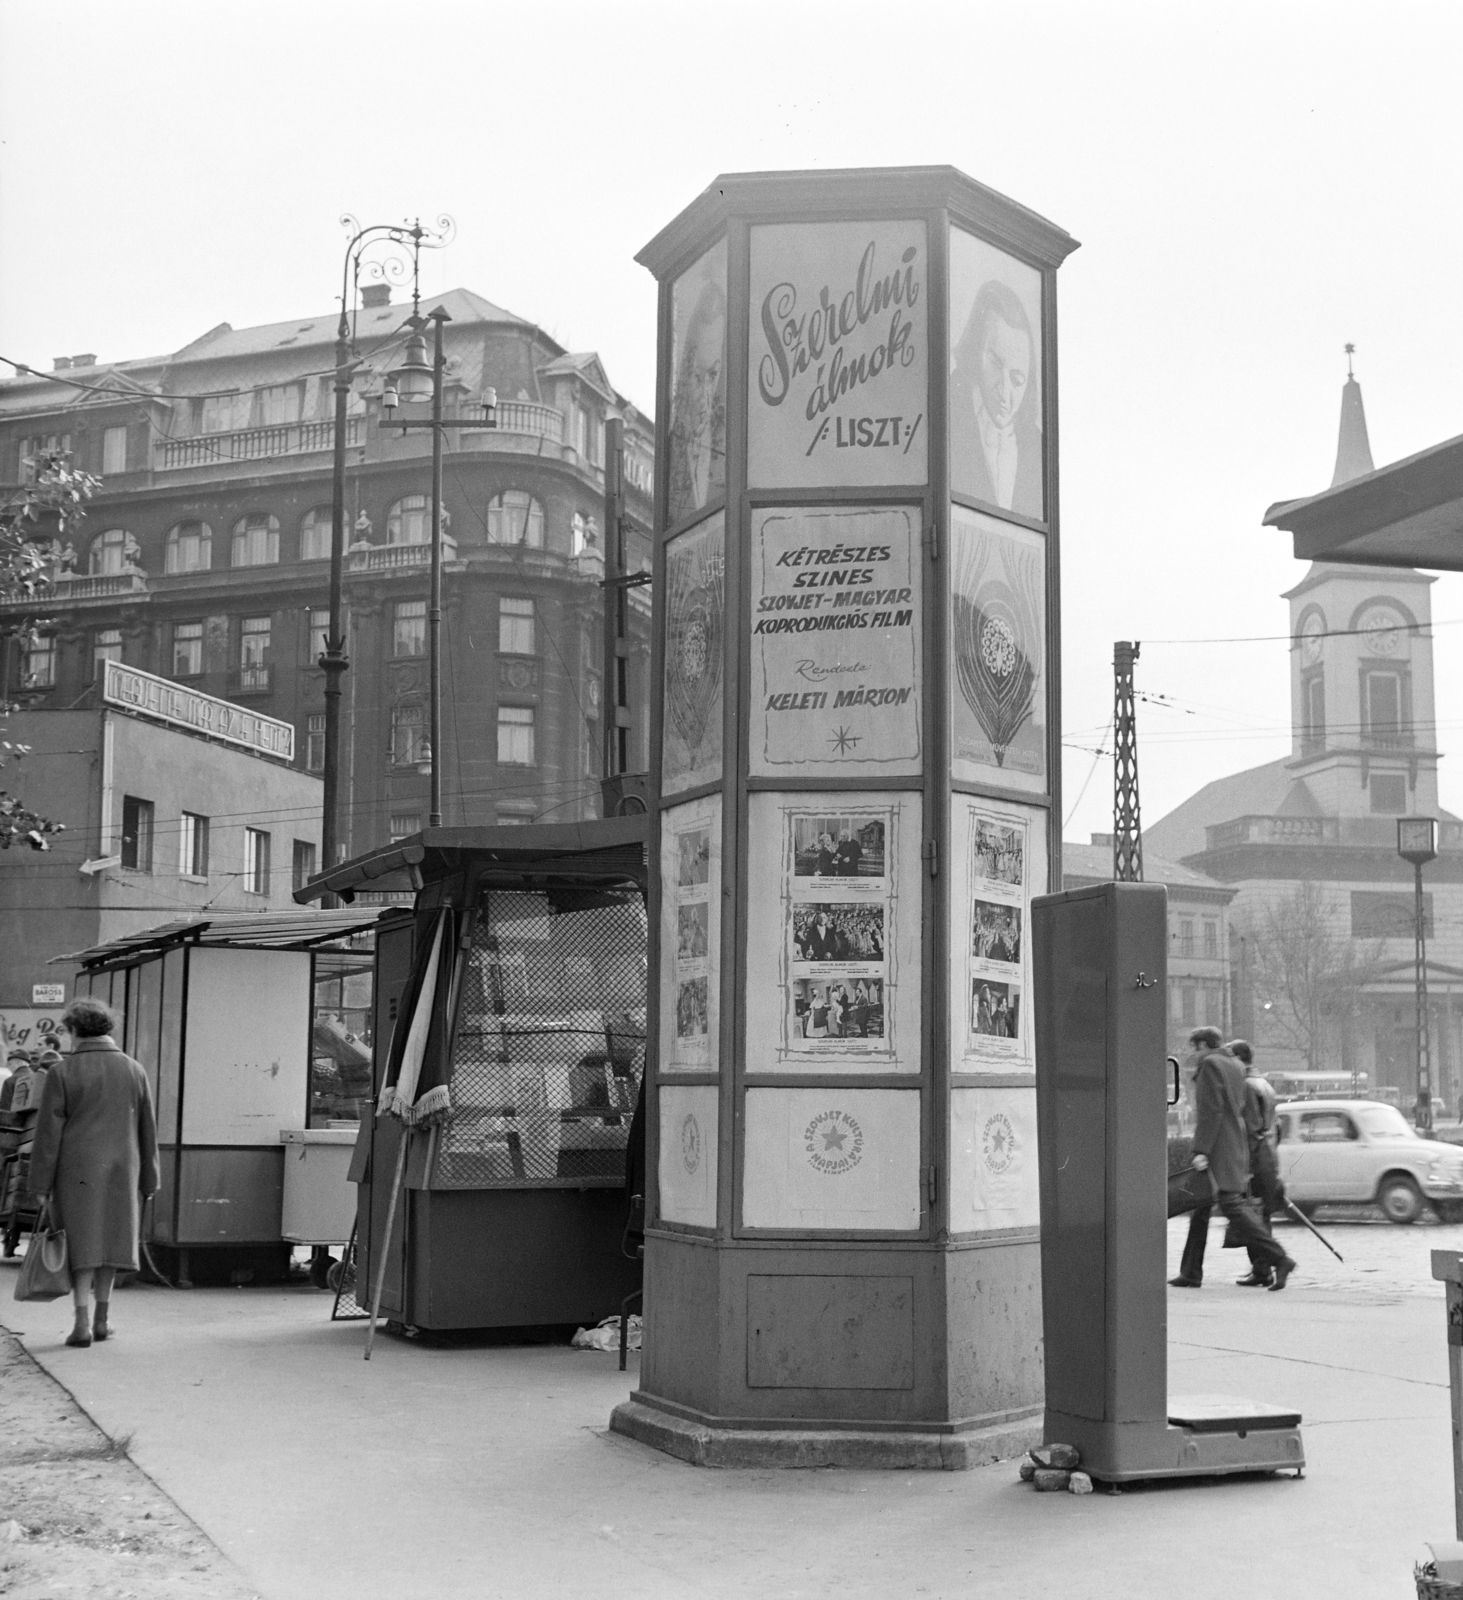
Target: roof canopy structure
(1408, 514)
(237, 930)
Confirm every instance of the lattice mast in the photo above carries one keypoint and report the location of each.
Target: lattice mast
(1127, 829)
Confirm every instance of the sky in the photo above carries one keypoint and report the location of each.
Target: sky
(1253, 186)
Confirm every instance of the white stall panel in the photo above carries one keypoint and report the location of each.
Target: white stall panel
(246, 1056)
(993, 1171)
(688, 1155)
(832, 1158)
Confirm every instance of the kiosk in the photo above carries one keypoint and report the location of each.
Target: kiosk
(1101, 997)
(511, 1206)
(237, 1082)
(854, 795)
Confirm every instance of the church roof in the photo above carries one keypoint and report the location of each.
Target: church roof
(1256, 792)
(1092, 863)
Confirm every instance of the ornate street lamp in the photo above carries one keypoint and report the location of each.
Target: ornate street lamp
(1417, 842)
(414, 381)
(385, 252)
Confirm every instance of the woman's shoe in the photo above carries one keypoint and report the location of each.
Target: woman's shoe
(99, 1328)
(80, 1336)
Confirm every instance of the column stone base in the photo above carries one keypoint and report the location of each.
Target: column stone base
(715, 1443)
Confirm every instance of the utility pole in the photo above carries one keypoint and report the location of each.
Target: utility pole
(1127, 832)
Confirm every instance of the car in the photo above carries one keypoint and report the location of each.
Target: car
(1364, 1152)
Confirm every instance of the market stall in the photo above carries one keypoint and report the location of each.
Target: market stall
(508, 1051)
(255, 1032)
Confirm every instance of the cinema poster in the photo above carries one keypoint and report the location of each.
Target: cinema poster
(835, 966)
(691, 737)
(997, 653)
(696, 439)
(838, 369)
(690, 935)
(836, 641)
(1000, 862)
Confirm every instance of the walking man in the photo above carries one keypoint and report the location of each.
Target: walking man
(1222, 1146)
(1265, 1182)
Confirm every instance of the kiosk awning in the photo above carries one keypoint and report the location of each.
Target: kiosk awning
(240, 930)
(1409, 514)
(583, 850)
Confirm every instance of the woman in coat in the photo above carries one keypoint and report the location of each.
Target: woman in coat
(95, 1158)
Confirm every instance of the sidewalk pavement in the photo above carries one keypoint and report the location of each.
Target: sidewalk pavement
(489, 1472)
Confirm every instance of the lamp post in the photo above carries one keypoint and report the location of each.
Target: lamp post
(1417, 842)
(413, 381)
(374, 252)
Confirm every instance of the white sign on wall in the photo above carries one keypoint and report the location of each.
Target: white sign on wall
(993, 1167)
(687, 1172)
(838, 376)
(832, 1158)
(170, 702)
(48, 994)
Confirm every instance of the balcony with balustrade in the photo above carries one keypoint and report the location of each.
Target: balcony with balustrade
(370, 558)
(81, 588)
(254, 444)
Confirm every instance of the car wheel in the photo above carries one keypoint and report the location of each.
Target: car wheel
(1400, 1201)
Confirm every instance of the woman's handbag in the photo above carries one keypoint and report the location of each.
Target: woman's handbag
(1189, 1189)
(44, 1274)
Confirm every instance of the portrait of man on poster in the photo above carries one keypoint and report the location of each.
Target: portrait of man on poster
(995, 426)
(698, 400)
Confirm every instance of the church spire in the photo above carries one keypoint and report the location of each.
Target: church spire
(1353, 449)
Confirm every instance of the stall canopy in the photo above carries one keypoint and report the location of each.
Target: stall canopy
(238, 930)
(582, 850)
(1409, 514)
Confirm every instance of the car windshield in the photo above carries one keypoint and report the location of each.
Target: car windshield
(1383, 1122)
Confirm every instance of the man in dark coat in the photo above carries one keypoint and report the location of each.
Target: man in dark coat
(95, 1158)
(1265, 1182)
(1221, 1145)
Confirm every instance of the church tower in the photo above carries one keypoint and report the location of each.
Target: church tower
(1363, 722)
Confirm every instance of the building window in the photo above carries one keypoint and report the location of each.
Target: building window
(193, 845)
(253, 651)
(137, 833)
(111, 552)
(317, 641)
(106, 645)
(1211, 940)
(1384, 711)
(408, 520)
(582, 534)
(221, 413)
(278, 406)
(409, 628)
(409, 745)
(189, 547)
(41, 444)
(515, 517)
(315, 743)
(38, 662)
(515, 736)
(1186, 1004)
(114, 451)
(302, 863)
(315, 534)
(1388, 794)
(1313, 715)
(1186, 937)
(404, 824)
(515, 627)
(256, 861)
(256, 541)
(187, 649)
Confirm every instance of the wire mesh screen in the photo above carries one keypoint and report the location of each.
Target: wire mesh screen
(550, 1041)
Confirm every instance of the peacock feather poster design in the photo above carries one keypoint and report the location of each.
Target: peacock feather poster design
(695, 567)
(998, 652)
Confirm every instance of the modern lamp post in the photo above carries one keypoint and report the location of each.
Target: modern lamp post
(412, 382)
(375, 252)
(1417, 842)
